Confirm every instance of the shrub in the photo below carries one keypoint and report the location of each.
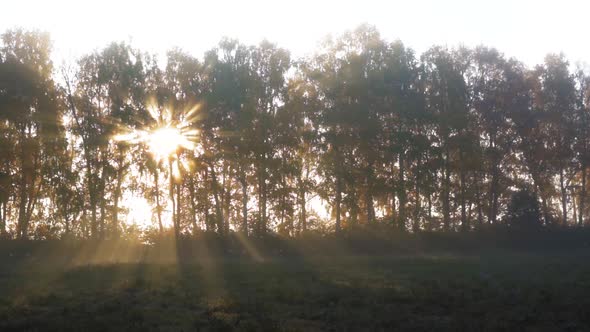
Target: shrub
(523, 211)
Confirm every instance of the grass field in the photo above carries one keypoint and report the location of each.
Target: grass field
(117, 286)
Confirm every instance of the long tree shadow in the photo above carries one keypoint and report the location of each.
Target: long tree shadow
(293, 289)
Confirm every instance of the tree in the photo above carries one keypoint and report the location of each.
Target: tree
(557, 102)
(582, 142)
(446, 98)
(523, 211)
(29, 105)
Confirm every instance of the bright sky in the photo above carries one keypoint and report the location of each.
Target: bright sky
(526, 29)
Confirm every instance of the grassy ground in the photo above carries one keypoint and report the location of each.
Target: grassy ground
(118, 287)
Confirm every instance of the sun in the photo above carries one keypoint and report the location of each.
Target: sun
(164, 139)
(164, 142)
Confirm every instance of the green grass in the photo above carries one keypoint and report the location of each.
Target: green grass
(62, 290)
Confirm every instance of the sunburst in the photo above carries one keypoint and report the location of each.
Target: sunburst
(166, 137)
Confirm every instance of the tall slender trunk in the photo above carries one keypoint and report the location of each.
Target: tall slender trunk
(116, 197)
(33, 193)
(22, 222)
(262, 195)
(67, 224)
(225, 196)
(102, 196)
(264, 202)
(581, 206)
(338, 202)
(478, 198)
(353, 206)
(369, 195)
(84, 224)
(301, 202)
(563, 196)
(540, 193)
(103, 208)
(218, 212)
(391, 196)
(417, 204)
(158, 205)
(493, 192)
(206, 201)
(22, 225)
(92, 195)
(464, 222)
(120, 175)
(430, 210)
(178, 206)
(174, 216)
(244, 184)
(191, 184)
(574, 207)
(3, 210)
(402, 193)
(445, 193)
(4, 196)
(493, 196)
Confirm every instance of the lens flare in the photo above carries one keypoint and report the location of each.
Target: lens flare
(167, 137)
(165, 142)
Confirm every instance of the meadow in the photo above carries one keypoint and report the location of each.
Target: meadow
(443, 282)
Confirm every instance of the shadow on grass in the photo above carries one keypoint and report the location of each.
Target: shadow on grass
(221, 284)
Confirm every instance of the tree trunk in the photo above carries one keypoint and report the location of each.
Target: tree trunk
(402, 194)
(22, 222)
(103, 201)
(493, 193)
(174, 216)
(417, 204)
(158, 205)
(429, 211)
(178, 207)
(369, 195)
(191, 183)
(264, 202)
(3, 208)
(445, 193)
(563, 196)
(218, 211)
(338, 203)
(581, 206)
(301, 202)
(478, 198)
(22, 225)
(116, 208)
(244, 184)
(117, 195)
(92, 194)
(206, 201)
(226, 197)
(262, 196)
(391, 198)
(103, 208)
(464, 223)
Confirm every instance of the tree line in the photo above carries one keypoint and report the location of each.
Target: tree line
(437, 141)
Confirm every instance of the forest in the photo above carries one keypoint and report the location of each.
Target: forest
(363, 187)
(363, 132)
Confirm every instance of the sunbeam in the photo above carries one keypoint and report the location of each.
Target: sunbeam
(165, 137)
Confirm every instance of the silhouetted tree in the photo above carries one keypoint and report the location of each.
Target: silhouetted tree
(523, 211)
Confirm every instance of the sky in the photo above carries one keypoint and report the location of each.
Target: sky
(525, 29)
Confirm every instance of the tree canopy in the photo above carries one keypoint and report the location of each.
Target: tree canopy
(363, 132)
